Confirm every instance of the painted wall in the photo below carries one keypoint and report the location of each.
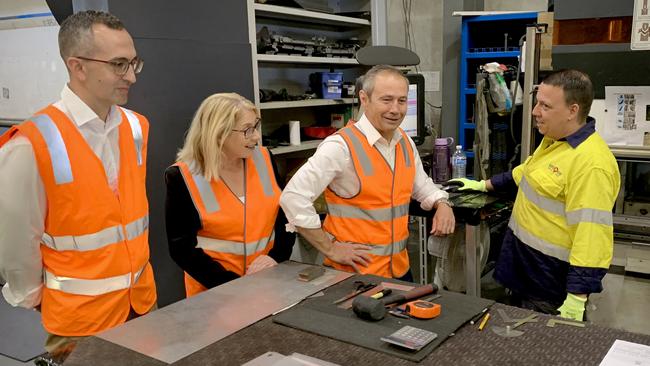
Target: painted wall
(426, 41)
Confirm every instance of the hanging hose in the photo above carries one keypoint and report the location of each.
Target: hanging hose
(514, 103)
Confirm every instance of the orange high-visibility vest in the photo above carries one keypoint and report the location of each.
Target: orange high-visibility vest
(234, 233)
(95, 247)
(378, 214)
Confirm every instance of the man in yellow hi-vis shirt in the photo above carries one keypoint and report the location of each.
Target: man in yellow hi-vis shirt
(559, 241)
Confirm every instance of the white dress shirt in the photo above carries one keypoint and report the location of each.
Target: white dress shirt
(23, 204)
(331, 165)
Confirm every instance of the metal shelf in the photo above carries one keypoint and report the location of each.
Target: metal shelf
(8, 122)
(497, 54)
(625, 152)
(592, 48)
(306, 16)
(306, 145)
(306, 103)
(306, 59)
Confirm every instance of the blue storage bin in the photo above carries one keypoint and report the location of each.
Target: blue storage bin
(327, 85)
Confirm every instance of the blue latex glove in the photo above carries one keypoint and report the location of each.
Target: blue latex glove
(573, 307)
(465, 184)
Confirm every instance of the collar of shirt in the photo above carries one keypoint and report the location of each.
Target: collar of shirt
(373, 135)
(582, 134)
(81, 113)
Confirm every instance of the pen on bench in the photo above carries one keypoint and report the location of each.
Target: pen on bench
(485, 320)
(478, 316)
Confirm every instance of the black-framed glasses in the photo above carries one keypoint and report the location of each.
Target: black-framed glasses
(250, 130)
(121, 65)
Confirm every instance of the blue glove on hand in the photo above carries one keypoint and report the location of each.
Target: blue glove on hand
(573, 307)
(465, 184)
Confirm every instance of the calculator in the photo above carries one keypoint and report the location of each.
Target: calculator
(410, 337)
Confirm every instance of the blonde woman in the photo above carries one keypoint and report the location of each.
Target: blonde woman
(222, 206)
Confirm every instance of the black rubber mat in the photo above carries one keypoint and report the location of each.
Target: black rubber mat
(318, 315)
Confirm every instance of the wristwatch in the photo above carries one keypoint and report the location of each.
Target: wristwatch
(443, 200)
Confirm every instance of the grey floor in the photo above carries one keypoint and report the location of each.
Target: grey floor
(623, 304)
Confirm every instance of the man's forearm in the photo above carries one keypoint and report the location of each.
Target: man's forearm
(489, 186)
(317, 238)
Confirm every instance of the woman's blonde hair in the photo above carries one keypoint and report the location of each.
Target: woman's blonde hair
(212, 123)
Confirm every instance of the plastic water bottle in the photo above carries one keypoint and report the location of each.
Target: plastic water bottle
(458, 163)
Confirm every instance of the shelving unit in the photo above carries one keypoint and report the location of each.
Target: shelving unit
(307, 16)
(306, 103)
(483, 40)
(305, 145)
(291, 72)
(306, 60)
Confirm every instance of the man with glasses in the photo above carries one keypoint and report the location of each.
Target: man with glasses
(74, 240)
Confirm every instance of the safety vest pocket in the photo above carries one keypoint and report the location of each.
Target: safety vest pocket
(545, 183)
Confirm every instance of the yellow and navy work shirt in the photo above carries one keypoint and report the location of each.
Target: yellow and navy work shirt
(560, 235)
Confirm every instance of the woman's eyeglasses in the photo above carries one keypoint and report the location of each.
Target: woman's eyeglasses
(250, 130)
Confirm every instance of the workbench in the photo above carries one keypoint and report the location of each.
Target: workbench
(470, 210)
(540, 344)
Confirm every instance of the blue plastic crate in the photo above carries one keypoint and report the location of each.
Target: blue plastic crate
(328, 85)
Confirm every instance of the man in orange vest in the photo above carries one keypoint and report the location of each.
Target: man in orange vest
(74, 239)
(369, 172)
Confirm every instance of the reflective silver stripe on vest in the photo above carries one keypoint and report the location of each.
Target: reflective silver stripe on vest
(574, 217)
(535, 242)
(80, 286)
(407, 158)
(380, 249)
(378, 214)
(262, 171)
(56, 148)
(386, 249)
(99, 239)
(542, 202)
(364, 160)
(590, 215)
(206, 194)
(136, 130)
(233, 247)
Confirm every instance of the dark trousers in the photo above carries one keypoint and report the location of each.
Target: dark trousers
(541, 306)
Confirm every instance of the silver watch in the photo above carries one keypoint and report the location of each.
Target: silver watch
(443, 200)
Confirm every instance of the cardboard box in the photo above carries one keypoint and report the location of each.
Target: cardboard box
(546, 48)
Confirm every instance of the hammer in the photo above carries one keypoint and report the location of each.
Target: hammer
(373, 309)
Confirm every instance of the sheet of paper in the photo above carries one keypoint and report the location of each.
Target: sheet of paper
(641, 26)
(627, 116)
(623, 353)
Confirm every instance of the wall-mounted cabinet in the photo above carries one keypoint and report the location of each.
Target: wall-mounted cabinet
(285, 67)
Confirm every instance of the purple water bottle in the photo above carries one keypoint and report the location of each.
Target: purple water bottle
(441, 159)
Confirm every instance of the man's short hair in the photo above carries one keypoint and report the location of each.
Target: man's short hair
(577, 88)
(76, 36)
(368, 79)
